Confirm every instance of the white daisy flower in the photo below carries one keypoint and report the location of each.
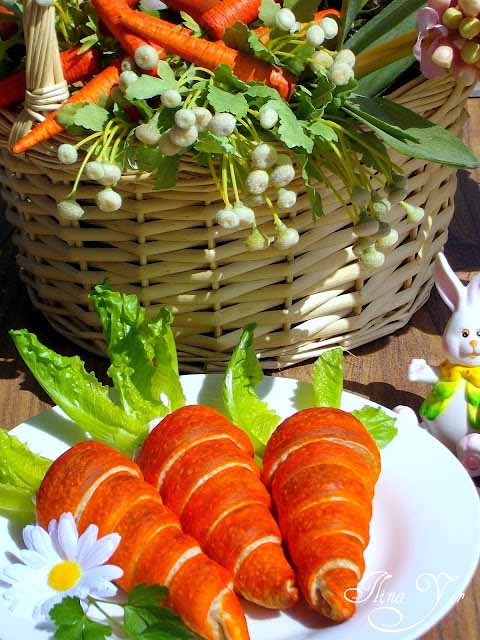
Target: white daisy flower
(59, 564)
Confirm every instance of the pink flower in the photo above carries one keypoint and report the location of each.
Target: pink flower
(431, 34)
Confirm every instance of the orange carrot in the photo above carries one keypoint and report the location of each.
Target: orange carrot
(101, 85)
(194, 7)
(264, 32)
(7, 27)
(101, 486)
(226, 12)
(210, 54)
(75, 68)
(110, 13)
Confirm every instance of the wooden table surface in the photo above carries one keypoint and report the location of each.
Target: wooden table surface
(377, 371)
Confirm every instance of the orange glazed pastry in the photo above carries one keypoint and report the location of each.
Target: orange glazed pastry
(101, 486)
(204, 469)
(321, 466)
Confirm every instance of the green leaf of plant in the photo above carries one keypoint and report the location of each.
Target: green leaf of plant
(19, 466)
(142, 352)
(66, 115)
(392, 129)
(309, 172)
(378, 81)
(73, 624)
(435, 143)
(81, 396)
(349, 11)
(321, 130)
(17, 504)
(223, 101)
(224, 75)
(244, 406)
(383, 25)
(144, 595)
(151, 159)
(256, 90)
(147, 87)
(167, 74)
(91, 117)
(290, 130)
(327, 379)
(191, 24)
(304, 10)
(240, 37)
(259, 50)
(268, 11)
(210, 143)
(380, 425)
(166, 173)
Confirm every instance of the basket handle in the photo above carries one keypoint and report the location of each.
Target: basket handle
(46, 86)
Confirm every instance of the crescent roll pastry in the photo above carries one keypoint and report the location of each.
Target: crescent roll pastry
(204, 469)
(321, 466)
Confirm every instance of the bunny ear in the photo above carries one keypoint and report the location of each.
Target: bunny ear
(449, 286)
(473, 290)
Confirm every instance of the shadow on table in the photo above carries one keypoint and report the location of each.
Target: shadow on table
(385, 394)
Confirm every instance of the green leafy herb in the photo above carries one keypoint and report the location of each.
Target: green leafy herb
(73, 623)
(208, 142)
(432, 142)
(81, 396)
(17, 504)
(380, 425)
(268, 11)
(142, 352)
(223, 101)
(244, 406)
(327, 379)
(290, 131)
(20, 467)
(163, 168)
(321, 130)
(191, 24)
(91, 117)
(309, 171)
(225, 76)
(147, 87)
(144, 618)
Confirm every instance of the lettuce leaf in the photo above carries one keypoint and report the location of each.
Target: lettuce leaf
(21, 474)
(327, 379)
(380, 425)
(143, 354)
(20, 467)
(81, 396)
(244, 406)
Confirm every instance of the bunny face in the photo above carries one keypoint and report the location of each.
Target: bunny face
(461, 340)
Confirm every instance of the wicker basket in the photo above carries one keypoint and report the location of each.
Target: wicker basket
(164, 247)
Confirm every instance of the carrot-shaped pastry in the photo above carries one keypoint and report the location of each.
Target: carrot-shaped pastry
(101, 486)
(203, 467)
(75, 68)
(321, 466)
(209, 54)
(101, 85)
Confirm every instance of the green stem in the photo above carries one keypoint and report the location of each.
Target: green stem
(225, 181)
(114, 623)
(88, 155)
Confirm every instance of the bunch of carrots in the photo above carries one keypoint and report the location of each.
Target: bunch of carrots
(134, 30)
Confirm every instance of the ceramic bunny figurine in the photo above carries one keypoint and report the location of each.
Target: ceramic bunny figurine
(452, 410)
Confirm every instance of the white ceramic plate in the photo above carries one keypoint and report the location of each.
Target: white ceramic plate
(425, 536)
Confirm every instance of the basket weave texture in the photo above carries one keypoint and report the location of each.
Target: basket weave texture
(165, 247)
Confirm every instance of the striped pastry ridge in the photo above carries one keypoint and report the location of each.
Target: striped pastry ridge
(360, 448)
(208, 476)
(253, 547)
(180, 452)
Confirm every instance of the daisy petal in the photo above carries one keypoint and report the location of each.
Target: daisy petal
(32, 559)
(86, 542)
(37, 539)
(16, 573)
(41, 611)
(107, 590)
(68, 536)
(105, 573)
(101, 551)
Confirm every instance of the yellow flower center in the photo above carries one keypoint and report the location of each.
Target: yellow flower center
(64, 576)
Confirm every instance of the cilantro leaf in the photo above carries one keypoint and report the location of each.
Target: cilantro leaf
(241, 37)
(268, 12)
(147, 595)
(244, 406)
(73, 624)
(208, 142)
(290, 130)
(191, 24)
(321, 130)
(147, 87)
(152, 160)
(91, 117)
(224, 75)
(223, 101)
(380, 425)
(167, 74)
(327, 379)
